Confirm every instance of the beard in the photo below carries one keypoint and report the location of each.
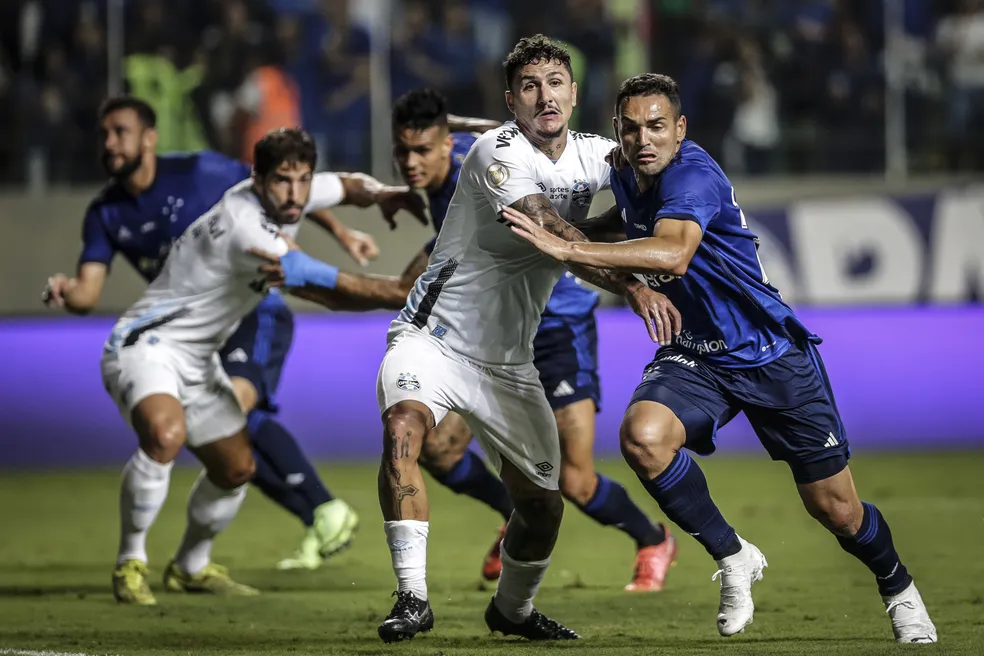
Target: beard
(128, 168)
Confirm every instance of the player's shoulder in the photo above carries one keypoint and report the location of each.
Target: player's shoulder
(592, 142)
(111, 194)
(692, 168)
(503, 141)
(462, 142)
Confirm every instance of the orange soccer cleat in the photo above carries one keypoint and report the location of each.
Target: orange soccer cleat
(653, 564)
(492, 565)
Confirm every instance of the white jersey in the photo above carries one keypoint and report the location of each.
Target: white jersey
(485, 287)
(210, 280)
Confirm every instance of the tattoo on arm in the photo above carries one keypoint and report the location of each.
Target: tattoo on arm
(607, 223)
(360, 189)
(539, 208)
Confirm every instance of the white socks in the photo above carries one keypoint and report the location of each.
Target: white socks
(407, 541)
(143, 489)
(518, 584)
(210, 509)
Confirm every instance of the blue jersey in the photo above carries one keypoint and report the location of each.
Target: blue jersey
(142, 228)
(569, 300)
(732, 316)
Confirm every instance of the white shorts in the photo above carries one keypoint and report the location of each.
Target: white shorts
(505, 406)
(152, 366)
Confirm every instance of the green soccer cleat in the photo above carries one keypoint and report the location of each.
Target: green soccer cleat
(130, 584)
(307, 556)
(214, 579)
(335, 524)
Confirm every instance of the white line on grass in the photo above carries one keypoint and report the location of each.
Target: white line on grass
(28, 652)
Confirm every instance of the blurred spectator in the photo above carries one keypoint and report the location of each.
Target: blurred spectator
(960, 38)
(769, 86)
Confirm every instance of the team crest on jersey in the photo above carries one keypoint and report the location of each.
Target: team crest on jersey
(580, 194)
(496, 174)
(408, 382)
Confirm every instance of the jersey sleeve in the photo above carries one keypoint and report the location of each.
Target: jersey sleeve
(501, 168)
(96, 244)
(224, 170)
(688, 193)
(595, 165)
(253, 231)
(327, 191)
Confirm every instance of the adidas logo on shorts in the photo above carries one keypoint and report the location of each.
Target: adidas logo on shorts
(564, 389)
(831, 441)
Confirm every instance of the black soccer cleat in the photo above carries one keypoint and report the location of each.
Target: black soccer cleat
(536, 627)
(409, 617)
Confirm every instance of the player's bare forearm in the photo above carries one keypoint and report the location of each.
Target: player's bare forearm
(539, 208)
(372, 291)
(361, 190)
(668, 252)
(469, 124)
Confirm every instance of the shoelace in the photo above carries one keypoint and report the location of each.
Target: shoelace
(404, 602)
(901, 604)
(553, 627)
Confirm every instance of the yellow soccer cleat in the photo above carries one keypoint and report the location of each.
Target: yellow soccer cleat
(335, 524)
(214, 579)
(307, 556)
(130, 584)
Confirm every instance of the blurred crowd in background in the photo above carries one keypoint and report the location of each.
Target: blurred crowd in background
(768, 86)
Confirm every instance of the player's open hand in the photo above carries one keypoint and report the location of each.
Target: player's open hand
(54, 291)
(663, 320)
(393, 199)
(544, 240)
(361, 247)
(616, 159)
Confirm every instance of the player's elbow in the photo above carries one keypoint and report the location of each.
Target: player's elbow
(677, 262)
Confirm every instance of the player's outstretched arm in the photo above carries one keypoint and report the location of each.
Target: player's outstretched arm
(668, 251)
(80, 294)
(361, 247)
(661, 317)
(364, 190)
(468, 124)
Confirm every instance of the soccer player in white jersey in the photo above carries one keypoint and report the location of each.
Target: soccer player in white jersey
(463, 343)
(161, 362)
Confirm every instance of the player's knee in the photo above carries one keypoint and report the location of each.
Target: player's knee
(237, 470)
(577, 483)
(405, 426)
(839, 516)
(164, 437)
(650, 440)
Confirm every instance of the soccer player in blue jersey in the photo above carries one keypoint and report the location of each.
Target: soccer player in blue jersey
(150, 202)
(429, 151)
(742, 349)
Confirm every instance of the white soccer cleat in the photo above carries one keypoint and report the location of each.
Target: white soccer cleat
(910, 619)
(738, 572)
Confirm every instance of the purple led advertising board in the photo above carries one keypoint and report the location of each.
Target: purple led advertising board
(904, 377)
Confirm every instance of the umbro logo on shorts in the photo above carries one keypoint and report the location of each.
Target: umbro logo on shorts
(408, 382)
(543, 469)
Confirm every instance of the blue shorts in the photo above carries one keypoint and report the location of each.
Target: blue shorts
(258, 348)
(565, 352)
(788, 402)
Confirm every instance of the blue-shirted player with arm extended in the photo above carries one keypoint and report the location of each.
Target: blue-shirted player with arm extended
(150, 202)
(428, 152)
(742, 349)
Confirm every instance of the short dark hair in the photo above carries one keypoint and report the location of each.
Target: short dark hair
(532, 50)
(282, 145)
(144, 111)
(650, 84)
(420, 109)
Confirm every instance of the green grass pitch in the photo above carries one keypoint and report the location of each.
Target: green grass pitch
(58, 535)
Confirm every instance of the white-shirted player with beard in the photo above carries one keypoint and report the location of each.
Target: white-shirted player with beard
(463, 342)
(161, 362)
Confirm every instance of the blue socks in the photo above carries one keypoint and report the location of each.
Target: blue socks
(472, 478)
(611, 506)
(873, 546)
(283, 473)
(682, 494)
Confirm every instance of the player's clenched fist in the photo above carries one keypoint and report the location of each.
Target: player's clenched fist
(662, 319)
(54, 292)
